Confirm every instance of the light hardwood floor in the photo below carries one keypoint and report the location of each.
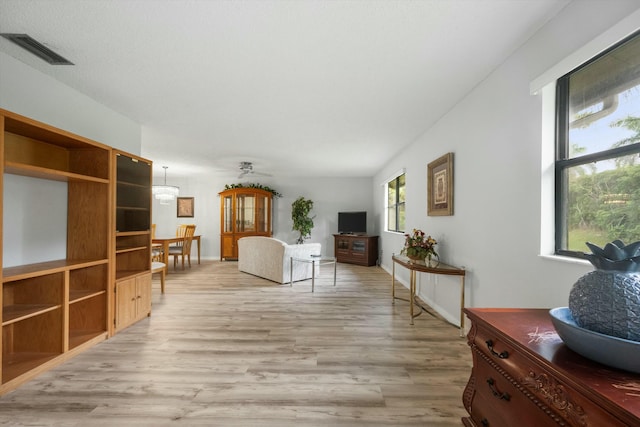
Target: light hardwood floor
(224, 348)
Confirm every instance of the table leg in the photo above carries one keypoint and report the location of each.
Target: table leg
(462, 307)
(334, 272)
(313, 274)
(165, 252)
(198, 240)
(291, 272)
(412, 292)
(393, 282)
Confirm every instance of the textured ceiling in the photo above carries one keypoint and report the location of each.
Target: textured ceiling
(300, 88)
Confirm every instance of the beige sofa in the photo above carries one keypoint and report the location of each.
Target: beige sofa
(271, 258)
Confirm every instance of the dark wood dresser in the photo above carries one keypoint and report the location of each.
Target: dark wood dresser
(524, 375)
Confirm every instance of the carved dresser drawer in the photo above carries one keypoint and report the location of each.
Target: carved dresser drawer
(498, 351)
(524, 375)
(499, 402)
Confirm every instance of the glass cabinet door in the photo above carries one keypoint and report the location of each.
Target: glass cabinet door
(262, 216)
(245, 213)
(228, 214)
(133, 203)
(358, 246)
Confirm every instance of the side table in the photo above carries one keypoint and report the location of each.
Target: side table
(313, 260)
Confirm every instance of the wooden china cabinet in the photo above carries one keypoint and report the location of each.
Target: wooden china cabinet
(243, 212)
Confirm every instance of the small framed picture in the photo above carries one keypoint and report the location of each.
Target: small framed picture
(440, 186)
(185, 207)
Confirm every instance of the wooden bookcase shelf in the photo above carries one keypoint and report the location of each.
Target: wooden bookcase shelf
(16, 364)
(52, 310)
(26, 271)
(126, 274)
(134, 249)
(79, 337)
(77, 296)
(17, 312)
(52, 174)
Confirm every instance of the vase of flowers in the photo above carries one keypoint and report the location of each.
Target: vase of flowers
(607, 300)
(420, 247)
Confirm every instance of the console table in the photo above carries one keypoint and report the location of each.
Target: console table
(524, 374)
(420, 266)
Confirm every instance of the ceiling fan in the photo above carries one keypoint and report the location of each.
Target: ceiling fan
(246, 168)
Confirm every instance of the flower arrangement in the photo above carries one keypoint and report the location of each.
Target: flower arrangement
(419, 246)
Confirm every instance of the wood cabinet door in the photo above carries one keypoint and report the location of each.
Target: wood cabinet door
(126, 296)
(228, 246)
(143, 285)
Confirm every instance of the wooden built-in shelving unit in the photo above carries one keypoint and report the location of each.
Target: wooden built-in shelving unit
(51, 310)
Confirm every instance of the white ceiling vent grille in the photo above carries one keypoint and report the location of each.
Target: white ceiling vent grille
(37, 48)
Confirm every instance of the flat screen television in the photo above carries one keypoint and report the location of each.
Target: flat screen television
(352, 222)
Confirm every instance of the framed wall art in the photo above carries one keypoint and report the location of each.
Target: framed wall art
(440, 186)
(185, 207)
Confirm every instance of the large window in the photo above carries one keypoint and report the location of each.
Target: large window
(395, 204)
(598, 144)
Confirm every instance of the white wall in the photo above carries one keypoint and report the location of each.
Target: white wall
(36, 209)
(31, 207)
(26, 91)
(495, 135)
(329, 195)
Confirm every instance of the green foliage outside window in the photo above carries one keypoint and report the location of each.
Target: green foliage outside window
(604, 207)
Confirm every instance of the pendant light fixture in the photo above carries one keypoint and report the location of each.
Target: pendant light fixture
(165, 193)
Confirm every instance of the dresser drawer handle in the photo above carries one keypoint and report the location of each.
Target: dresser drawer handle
(503, 355)
(496, 393)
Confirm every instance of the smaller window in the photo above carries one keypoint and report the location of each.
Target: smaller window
(396, 204)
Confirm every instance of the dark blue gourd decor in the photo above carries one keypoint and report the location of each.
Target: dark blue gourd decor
(607, 300)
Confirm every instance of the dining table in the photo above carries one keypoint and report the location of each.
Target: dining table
(165, 242)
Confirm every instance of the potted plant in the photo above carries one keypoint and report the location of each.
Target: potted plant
(420, 247)
(302, 222)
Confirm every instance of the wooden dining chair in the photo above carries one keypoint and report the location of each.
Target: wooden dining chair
(180, 232)
(181, 229)
(159, 267)
(183, 249)
(157, 253)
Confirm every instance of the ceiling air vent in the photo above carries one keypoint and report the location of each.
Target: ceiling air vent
(37, 48)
